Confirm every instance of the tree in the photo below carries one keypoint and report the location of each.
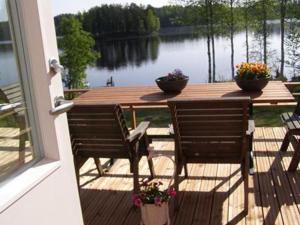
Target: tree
(292, 42)
(77, 52)
(232, 23)
(282, 29)
(246, 18)
(208, 36)
(152, 22)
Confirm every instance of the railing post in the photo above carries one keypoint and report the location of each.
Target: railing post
(133, 117)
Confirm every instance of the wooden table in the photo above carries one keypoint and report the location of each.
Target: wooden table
(151, 96)
(275, 92)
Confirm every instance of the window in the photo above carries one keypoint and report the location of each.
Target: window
(18, 136)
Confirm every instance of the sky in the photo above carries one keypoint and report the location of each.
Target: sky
(3, 14)
(74, 6)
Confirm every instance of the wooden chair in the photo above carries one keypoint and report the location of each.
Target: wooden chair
(12, 94)
(291, 121)
(212, 131)
(100, 131)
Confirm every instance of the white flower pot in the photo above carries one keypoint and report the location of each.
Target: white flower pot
(155, 215)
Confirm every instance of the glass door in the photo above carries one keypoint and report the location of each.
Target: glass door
(17, 148)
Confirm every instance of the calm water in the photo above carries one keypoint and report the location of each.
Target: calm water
(140, 61)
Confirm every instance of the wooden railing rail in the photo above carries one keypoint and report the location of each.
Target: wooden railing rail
(292, 84)
(83, 90)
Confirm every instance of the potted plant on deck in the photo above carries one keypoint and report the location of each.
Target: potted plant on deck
(154, 203)
(174, 82)
(252, 76)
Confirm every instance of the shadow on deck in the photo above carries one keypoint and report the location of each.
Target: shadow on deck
(213, 194)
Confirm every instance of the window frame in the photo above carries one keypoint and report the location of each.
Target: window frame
(40, 44)
(20, 54)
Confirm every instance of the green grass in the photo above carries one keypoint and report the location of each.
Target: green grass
(158, 117)
(268, 116)
(8, 121)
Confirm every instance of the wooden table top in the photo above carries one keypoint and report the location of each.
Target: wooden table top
(275, 92)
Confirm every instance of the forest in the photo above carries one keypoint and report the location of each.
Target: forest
(214, 17)
(116, 20)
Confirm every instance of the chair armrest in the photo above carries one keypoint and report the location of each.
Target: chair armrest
(251, 127)
(139, 132)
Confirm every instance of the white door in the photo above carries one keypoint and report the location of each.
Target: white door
(37, 178)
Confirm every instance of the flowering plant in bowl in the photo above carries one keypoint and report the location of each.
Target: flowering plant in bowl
(150, 193)
(252, 76)
(252, 71)
(177, 74)
(174, 82)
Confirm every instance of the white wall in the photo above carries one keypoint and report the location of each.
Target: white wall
(54, 200)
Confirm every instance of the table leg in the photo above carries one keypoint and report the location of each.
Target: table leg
(133, 117)
(251, 160)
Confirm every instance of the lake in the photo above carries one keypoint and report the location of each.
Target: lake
(139, 61)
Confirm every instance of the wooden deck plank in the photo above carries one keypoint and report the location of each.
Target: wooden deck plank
(236, 213)
(219, 214)
(288, 209)
(286, 194)
(189, 201)
(204, 205)
(269, 201)
(10, 159)
(204, 199)
(98, 201)
(293, 177)
(255, 212)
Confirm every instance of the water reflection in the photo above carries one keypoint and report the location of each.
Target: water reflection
(8, 71)
(116, 54)
(140, 61)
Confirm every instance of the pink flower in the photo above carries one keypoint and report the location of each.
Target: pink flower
(157, 200)
(172, 192)
(137, 202)
(134, 196)
(144, 182)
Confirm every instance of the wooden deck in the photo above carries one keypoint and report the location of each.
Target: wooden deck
(213, 194)
(9, 151)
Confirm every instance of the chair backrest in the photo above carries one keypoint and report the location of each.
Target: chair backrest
(99, 130)
(210, 130)
(12, 94)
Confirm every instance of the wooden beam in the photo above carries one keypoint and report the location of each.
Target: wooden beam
(133, 117)
(291, 84)
(83, 90)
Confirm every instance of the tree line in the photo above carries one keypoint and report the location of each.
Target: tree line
(116, 20)
(229, 16)
(215, 18)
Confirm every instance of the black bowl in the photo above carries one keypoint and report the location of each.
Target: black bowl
(171, 86)
(252, 85)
